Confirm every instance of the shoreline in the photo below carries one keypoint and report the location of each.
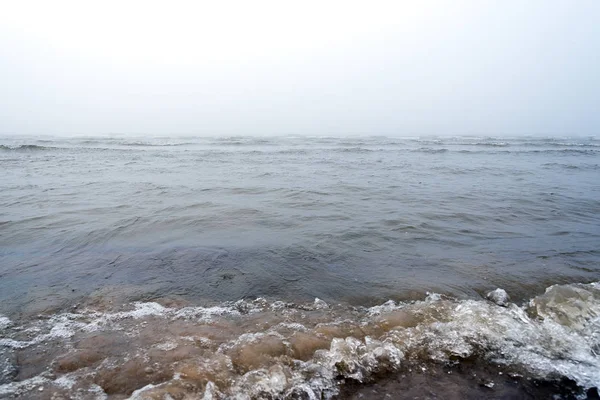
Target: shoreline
(274, 349)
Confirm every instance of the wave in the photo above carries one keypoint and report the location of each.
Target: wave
(356, 149)
(31, 148)
(508, 142)
(545, 151)
(489, 144)
(430, 150)
(245, 141)
(274, 349)
(561, 144)
(565, 151)
(571, 166)
(150, 144)
(26, 147)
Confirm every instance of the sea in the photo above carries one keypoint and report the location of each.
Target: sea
(299, 267)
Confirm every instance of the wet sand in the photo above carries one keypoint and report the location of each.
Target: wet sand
(464, 380)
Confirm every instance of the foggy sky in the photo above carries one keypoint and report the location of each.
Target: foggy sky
(276, 67)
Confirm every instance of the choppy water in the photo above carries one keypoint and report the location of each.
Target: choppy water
(104, 240)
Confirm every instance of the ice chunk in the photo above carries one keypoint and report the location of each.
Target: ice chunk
(499, 296)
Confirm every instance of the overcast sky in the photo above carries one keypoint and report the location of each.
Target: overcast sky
(306, 67)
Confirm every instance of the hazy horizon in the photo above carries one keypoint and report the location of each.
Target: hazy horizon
(338, 135)
(300, 200)
(429, 68)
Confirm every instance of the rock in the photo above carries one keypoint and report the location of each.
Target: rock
(499, 296)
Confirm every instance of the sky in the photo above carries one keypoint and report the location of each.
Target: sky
(399, 67)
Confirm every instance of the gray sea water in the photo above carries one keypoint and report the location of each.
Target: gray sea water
(91, 227)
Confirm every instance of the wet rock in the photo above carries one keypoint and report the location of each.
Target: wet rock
(499, 296)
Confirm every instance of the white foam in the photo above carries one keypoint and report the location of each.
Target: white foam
(4, 322)
(93, 390)
(556, 335)
(433, 297)
(294, 326)
(14, 344)
(262, 381)
(203, 314)
(19, 388)
(65, 382)
(142, 310)
(211, 392)
(544, 347)
(139, 393)
(320, 304)
(358, 359)
(167, 346)
(386, 307)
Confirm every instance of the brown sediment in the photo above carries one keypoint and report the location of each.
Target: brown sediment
(78, 359)
(131, 375)
(340, 329)
(435, 348)
(216, 369)
(32, 361)
(257, 353)
(304, 345)
(90, 350)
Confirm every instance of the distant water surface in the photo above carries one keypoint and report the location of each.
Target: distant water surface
(105, 221)
(342, 219)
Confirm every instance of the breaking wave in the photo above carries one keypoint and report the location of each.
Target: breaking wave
(273, 349)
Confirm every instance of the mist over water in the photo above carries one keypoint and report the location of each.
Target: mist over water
(89, 225)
